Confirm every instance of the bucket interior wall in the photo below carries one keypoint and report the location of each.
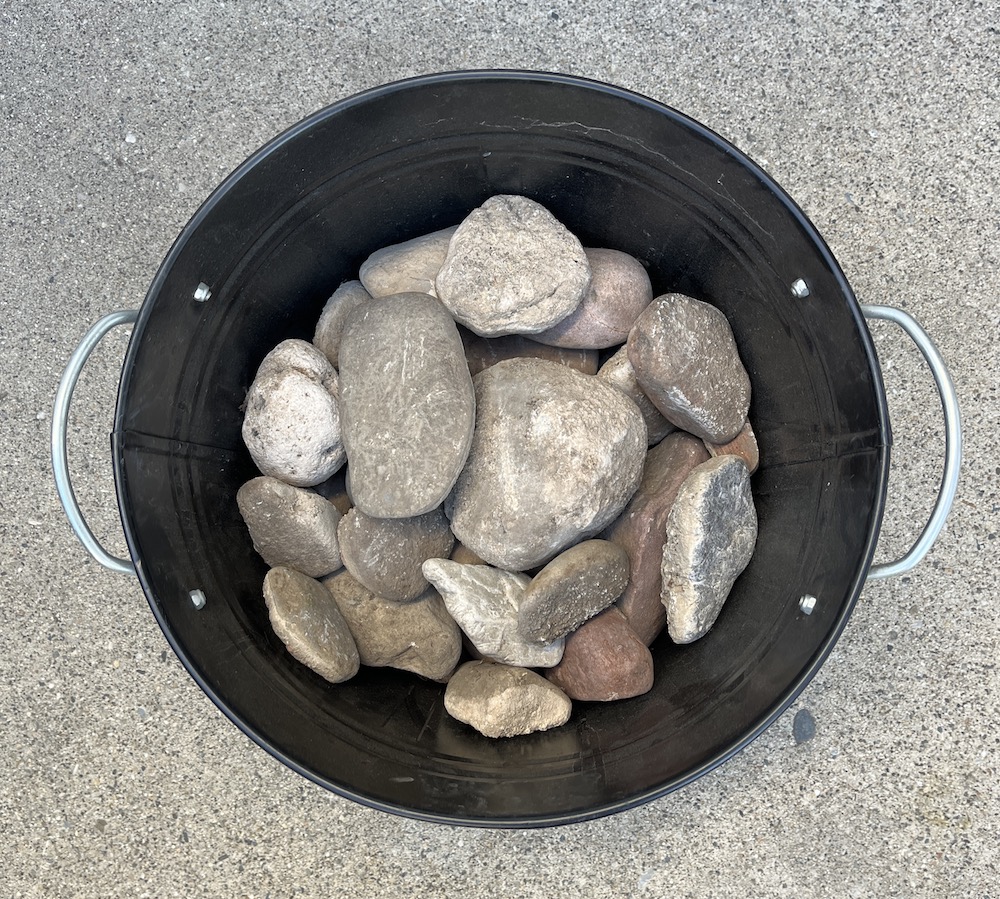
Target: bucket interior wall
(295, 221)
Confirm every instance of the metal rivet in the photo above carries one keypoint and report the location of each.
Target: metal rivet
(807, 603)
(202, 292)
(197, 599)
(800, 289)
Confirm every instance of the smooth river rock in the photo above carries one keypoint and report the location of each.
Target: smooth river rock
(505, 701)
(711, 533)
(330, 326)
(418, 636)
(641, 529)
(555, 457)
(407, 267)
(618, 372)
(512, 268)
(485, 602)
(290, 526)
(577, 584)
(619, 290)
(743, 445)
(307, 620)
(407, 404)
(687, 363)
(385, 554)
(486, 351)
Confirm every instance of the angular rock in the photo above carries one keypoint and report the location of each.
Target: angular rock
(604, 660)
(484, 601)
(641, 529)
(743, 445)
(385, 554)
(330, 326)
(619, 290)
(290, 526)
(577, 584)
(711, 533)
(407, 404)
(407, 267)
(618, 372)
(687, 363)
(555, 457)
(418, 636)
(486, 351)
(512, 268)
(307, 620)
(504, 701)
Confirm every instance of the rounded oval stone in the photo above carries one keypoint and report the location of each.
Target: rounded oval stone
(306, 618)
(555, 457)
(577, 584)
(298, 355)
(407, 404)
(619, 290)
(618, 372)
(505, 701)
(330, 326)
(290, 526)
(512, 268)
(385, 554)
(687, 362)
(410, 266)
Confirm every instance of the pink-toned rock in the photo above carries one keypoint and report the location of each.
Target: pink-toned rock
(641, 529)
(619, 291)
(486, 351)
(618, 372)
(604, 660)
(743, 445)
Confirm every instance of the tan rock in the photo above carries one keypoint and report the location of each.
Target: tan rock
(407, 267)
(483, 352)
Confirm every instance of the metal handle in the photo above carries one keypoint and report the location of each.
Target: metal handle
(60, 421)
(952, 441)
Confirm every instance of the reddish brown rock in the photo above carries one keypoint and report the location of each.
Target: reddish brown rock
(486, 351)
(604, 660)
(641, 528)
(743, 445)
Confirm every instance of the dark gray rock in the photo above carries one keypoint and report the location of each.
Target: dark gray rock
(512, 268)
(803, 726)
(555, 457)
(407, 404)
(291, 526)
(408, 267)
(505, 701)
(307, 620)
(687, 363)
(711, 534)
(330, 326)
(385, 554)
(618, 372)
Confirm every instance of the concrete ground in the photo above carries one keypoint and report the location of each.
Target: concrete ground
(119, 778)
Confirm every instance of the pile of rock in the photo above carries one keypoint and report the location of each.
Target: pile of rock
(504, 496)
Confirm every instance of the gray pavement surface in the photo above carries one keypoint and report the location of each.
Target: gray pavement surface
(119, 778)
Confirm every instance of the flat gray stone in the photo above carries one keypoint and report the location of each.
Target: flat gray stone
(407, 267)
(385, 554)
(485, 601)
(418, 636)
(711, 533)
(577, 584)
(291, 526)
(407, 404)
(619, 290)
(482, 352)
(505, 701)
(687, 363)
(307, 620)
(512, 268)
(618, 372)
(330, 326)
(555, 457)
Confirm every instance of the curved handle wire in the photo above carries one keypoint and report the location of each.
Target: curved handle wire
(952, 438)
(60, 423)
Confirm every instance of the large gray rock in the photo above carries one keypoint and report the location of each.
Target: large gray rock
(555, 457)
(407, 404)
(711, 533)
(307, 620)
(504, 701)
(512, 268)
(619, 290)
(330, 326)
(486, 351)
(408, 267)
(291, 526)
(385, 554)
(485, 601)
(618, 372)
(687, 363)
(418, 636)
(577, 584)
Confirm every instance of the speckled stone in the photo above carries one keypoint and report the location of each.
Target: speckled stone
(407, 267)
